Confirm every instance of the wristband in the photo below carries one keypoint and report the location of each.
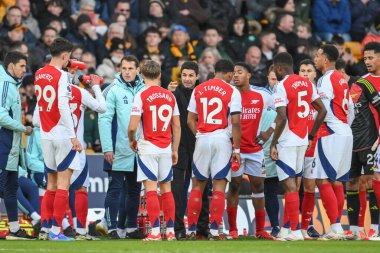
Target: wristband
(236, 151)
(311, 137)
(273, 126)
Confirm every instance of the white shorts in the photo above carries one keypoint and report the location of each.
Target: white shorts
(334, 153)
(81, 177)
(290, 161)
(156, 167)
(251, 164)
(309, 168)
(212, 156)
(59, 155)
(376, 162)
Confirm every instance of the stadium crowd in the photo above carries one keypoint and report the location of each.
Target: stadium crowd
(190, 43)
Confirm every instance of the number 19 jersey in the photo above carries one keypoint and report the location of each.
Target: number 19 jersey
(50, 83)
(214, 101)
(296, 93)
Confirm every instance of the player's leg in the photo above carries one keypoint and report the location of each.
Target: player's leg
(352, 191)
(233, 203)
(122, 212)
(272, 206)
(363, 200)
(133, 190)
(204, 217)
(47, 205)
(373, 205)
(28, 200)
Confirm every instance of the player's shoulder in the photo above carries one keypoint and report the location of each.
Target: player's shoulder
(109, 89)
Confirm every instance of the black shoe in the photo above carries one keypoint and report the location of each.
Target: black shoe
(21, 234)
(113, 235)
(69, 232)
(192, 236)
(37, 229)
(181, 236)
(313, 233)
(92, 229)
(135, 235)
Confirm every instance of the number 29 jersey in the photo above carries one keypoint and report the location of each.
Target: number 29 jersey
(51, 83)
(156, 106)
(214, 101)
(296, 93)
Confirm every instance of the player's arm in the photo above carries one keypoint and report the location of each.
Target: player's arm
(64, 94)
(268, 105)
(351, 111)
(176, 128)
(280, 102)
(371, 94)
(134, 121)
(7, 121)
(318, 105)
(97, 104)
(192, 116)
(235, 108)
(105, 125)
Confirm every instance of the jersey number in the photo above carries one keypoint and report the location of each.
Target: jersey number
(209, 118)
(160, 113)
(303, 103)
(48, 94)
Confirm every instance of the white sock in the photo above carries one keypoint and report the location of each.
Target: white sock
(35, 216)
(354, 229)
(81, 231)
(375, 227)
(55, 230)
(131, 230)
(46, 230)
(14, 226)
(336, 228)
(65, 223)
(75, 222)
(34, 222)
(214, 232)
(169, 230)
(155, 231)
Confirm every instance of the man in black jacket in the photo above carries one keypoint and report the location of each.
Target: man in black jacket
(182, 172)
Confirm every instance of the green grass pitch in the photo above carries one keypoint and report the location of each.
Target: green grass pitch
(245, 245)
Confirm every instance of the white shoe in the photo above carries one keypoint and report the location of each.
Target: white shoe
(295, 235)
(284, 232)
(305, 235)
(330, 235)
(373, 236)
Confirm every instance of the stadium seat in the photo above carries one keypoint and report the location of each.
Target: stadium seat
(355, 48)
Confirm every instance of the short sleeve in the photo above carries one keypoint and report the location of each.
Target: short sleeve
(279, 96)
(235, 106)
(268, 100)
(176, 110)
(315, 95)
(324, 89)
(64, 86)
(137, 105)
(192, 107)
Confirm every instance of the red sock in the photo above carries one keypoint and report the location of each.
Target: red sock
(285, 220)
(329, 202)
(339, 193)
(47, 208)
(232, 213)
(307, 209)
(363, 207)
(217, 208)
(60, 204)
(260, 220)
(81, 208)
(194, 206)
(168, 208)
(292, 203)
(376, 188)
(153, 208)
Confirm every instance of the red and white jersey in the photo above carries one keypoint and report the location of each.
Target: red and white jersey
(296, 93)
(334, 92)
(157, 107)
(254, 102)
(311, 120)
(375, 80)
(80, 100)
(52, 85)
(214, 101)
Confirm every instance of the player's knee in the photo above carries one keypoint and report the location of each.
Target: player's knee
(353, 183)
(234, 187)
(82, 189)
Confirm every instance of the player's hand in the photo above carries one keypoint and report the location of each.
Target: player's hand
(95, 80)
(172, 86)
(273, 153)
(174, 157)
(133, 145)
(76, 145)
(236, 157)
(262, 138)
(29, 130)
(109, 156)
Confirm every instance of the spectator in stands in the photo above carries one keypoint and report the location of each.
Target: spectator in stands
(239, 40)
(55, 9)
(4, 5)
(152, 46)
(31, 100)
(123, 7)
(207, 62)
(42, 47)
(374, 32)
(56, 23)
(304, 33)
(191, 16)
(23, 48)
(213, 38)
(256, 8)
(284, 26)
(253, 58)
(157, 15)
(108, 67)
(303, 10)
(331, 17)
(87, 7)
(268, 45)
(220, 15)
(27, 18)
(90, 60)
(77, 52)
(15, 34)
(85, 34)
(362, 14)
(340, 65)
(118, 18)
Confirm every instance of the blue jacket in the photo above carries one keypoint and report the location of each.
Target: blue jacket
(113, 124)
(34, 158)
(362, 15)
(330, 18)
(11, 128)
